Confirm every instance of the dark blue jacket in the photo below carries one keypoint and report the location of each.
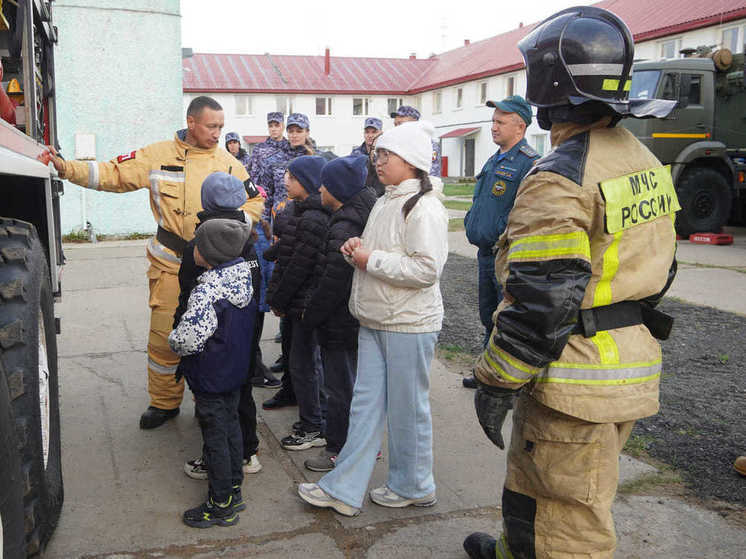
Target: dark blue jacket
(214, 336)
(495, 192)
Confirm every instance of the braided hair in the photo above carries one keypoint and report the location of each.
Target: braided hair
(425, 187)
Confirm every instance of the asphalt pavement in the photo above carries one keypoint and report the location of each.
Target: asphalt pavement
(125, 488)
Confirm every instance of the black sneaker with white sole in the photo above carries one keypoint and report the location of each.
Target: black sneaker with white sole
(301, 440)
(196, 469)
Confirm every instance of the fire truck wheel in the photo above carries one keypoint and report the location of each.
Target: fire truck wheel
(28, 353)
(705, 200)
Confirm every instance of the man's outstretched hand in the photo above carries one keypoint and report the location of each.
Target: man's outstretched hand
(50, 155)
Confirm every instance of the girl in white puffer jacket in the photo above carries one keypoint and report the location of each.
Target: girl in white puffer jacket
(396, 297)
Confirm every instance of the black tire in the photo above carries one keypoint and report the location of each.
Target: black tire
(11, 482)
(27, 311)
(705, 199)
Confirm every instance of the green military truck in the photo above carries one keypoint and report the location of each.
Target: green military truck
(703, 139)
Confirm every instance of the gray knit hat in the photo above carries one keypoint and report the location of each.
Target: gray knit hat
(221, 240)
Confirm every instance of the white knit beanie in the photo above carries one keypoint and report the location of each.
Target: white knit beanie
(412, 141)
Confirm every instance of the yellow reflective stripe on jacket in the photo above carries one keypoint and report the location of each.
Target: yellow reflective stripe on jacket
(550, 246)
(607, 348)
(604, 375)
(506, 366)
(602, 295)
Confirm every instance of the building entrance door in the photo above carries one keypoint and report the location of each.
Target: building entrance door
(469, 157)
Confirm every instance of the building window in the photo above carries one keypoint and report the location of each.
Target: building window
(284, 104)
(483, 93)
(730, 39)
(695, 89)
(360, 106)
(418, 103)
(670, 49)
(394, 103)
(509, 86)
(459, 97)
(243, 105)
(539, 143)
(437, 105)
(323, 105)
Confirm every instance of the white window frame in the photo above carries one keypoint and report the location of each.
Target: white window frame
(418, 103)
(509, 86)
(289, 101)
(365, 106)
(244, 105)
(459, 98)
(676, 42)
(535, 143)
(737, 31)
(483, 89)
(399, 102)
(437, 102)
(327, 106)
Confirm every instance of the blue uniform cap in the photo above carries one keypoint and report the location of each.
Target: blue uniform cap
(513, 104)
(373, 122)
(299, 119)
(232, 137)
(276, 116)
(406, 110)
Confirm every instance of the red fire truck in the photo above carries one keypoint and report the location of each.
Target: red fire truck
(31, 490)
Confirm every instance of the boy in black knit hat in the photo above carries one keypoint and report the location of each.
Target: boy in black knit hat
(211, 339)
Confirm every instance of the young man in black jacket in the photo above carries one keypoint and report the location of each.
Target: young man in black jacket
(344, 193)
(222, 194)
(300, 246)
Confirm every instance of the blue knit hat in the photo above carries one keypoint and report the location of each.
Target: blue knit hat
(222, 192)
(345, 176)
(307, 169)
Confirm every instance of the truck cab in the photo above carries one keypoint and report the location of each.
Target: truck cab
(703, 139)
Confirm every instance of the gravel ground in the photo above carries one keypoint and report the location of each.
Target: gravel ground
(701, 427)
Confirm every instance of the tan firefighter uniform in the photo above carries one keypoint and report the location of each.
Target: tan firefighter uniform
(173, 171)
(592, 225)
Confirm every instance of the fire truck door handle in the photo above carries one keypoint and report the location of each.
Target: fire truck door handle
(700, 125)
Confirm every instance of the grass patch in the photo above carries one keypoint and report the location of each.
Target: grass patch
(137, 236)
(650, 482)
(638, 445)
(459, 189)
(457, 204)
(79, 236)
(454, 353)
(456, 224)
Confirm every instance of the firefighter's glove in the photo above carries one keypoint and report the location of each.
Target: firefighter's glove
(492, 405)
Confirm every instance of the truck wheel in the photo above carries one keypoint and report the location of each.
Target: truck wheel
(28, 353)
(12, 537)
(705, 200)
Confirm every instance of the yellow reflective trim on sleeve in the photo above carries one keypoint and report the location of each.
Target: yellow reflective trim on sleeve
(593, 382)
(544, 246)
(602, 296)
(613, 85)
(607, 348)
(511, 361)
(638, 198)
(500, 370)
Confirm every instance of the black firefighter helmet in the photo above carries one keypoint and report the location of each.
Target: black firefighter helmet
(584, 54)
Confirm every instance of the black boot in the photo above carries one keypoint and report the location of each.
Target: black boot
(278, 365)
(480, 546)
(469, 382)
(155, 417)
(279, 400)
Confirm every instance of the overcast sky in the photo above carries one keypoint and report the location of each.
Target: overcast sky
(385, 28)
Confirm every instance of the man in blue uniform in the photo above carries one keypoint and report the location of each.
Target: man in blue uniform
(405, 113)
(259, 169)
(373, 128)
(233, 145)
(494, 195)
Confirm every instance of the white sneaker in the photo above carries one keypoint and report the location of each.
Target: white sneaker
(252, 465)
(386, 498)
(312, 494)
(196, 469)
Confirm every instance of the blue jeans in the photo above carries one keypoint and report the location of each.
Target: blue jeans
(393, 382)
(490, 292)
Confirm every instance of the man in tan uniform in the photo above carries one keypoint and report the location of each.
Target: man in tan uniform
(173, 171)
(587, 254)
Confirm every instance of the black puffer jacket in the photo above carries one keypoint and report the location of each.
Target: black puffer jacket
(189, 271)
(300, 246)
(326, 308)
